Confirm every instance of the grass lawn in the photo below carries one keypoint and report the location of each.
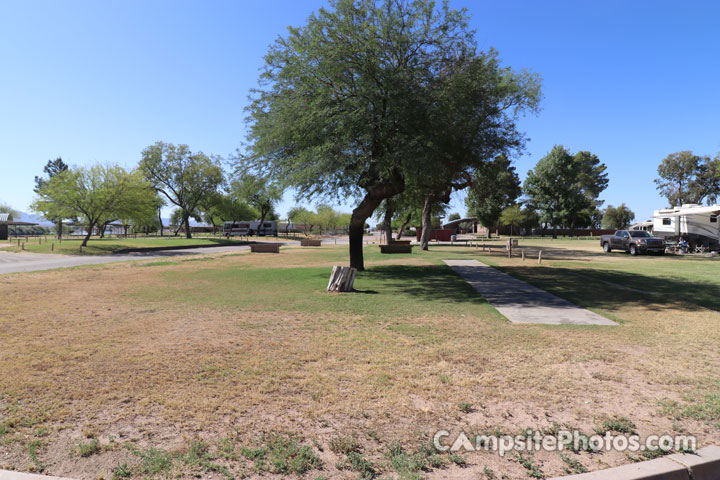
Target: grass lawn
(241, 365)
(107, 246)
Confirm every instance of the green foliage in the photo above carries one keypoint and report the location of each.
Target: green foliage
(616, 424)
(617, 218)
(565, 187)
(465, 407)
(91, 447)
(260, 193)
(324, 219)
(703, 407)
(51, 168)
(357, 463)
(230, 207)
(96, 195)
(344, 445)
(409, 465)
(572, 465)
(454, 216)
(370, 98)
(495, 186)
(283, 455)
(121, 471)
(155, 461)
(512, 216)
(688, 178)
(532, 468)
(186, 179)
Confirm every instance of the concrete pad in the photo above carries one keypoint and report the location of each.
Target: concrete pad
(521, 302)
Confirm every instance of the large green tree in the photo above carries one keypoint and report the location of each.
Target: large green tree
(469, 117)
(341, 98)
(688, 178)
(95, 195)
(564, 188)
(495, 186)
(186, 179)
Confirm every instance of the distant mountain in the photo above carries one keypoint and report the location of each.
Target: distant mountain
(29, 217)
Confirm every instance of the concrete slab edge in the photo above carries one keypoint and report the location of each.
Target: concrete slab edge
(701, 465)
(13, 475)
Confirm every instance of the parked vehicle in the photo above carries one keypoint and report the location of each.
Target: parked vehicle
(248, 229)
(698, 224)
(633, 241)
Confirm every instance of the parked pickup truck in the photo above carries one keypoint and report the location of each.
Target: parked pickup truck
(633, 241)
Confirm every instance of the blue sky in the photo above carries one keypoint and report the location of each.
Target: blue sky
(98, 81)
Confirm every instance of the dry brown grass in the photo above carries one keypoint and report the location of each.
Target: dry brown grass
(84, 356)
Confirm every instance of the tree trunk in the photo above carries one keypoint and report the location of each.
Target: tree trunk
(404, 225)
(186, 223)
(59, 228)
(554, 232)
(91, 226)
(387, 222)
(357, 229)
(102, 230)
(426, 222)
(160, 220)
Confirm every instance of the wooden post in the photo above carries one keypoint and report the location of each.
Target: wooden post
(522, 253)
(52, 247)
(18, 241)
(539, 257)
(80, 248)
(23, 245)
(510, 250)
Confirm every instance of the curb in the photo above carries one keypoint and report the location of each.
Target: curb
(701, 465)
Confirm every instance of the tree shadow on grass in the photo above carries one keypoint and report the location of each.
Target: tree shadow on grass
(611, 289)
(430, 283)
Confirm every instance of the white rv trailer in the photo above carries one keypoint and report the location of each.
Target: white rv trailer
(699, 223)
(231, 229)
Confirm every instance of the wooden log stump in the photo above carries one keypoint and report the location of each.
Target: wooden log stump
(341, 279)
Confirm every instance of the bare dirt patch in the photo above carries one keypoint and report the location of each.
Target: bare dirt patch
(85, 359)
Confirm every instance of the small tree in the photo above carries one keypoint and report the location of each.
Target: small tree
(94, 194)
(512, 216)
(52, 168)
(259, 192)
(617, 218)
(185, 178)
